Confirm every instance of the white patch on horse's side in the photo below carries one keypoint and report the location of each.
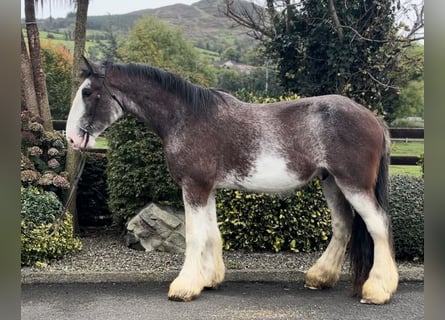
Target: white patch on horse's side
(76, 113)
(269, 173)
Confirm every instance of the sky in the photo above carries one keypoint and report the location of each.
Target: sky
(59, 9)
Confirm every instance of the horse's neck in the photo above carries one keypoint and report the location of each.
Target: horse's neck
(159, 110)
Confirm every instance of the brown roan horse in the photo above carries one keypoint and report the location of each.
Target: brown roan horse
(213, 140)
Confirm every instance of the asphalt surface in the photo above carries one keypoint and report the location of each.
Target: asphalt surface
(233, 300)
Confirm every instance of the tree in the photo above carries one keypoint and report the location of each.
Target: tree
(154, 42)
(58, 65)
(411, 100)
(79, 42)
(73, 156)
(38, 75)
(29, 98)
(331, 46)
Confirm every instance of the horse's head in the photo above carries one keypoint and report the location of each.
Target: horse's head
(94, 107)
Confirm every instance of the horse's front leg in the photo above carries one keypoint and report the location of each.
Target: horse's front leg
(203, 265)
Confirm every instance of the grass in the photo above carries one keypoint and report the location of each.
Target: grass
(101, 143)
(414, 171)
(414, 148)
(59, 39)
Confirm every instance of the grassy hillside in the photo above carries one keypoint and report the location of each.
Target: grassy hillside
(202, 22)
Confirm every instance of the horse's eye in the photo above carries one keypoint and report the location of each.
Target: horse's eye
(86, 92)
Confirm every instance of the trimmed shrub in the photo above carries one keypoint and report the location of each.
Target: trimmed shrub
(298, 222)
(406, 211)
(46, 232)
(136, 172)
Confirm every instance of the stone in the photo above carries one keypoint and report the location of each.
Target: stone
(157, 228)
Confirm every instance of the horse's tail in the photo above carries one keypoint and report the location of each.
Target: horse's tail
(362, 245)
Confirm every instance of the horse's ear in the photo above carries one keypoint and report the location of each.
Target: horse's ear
(85, 67)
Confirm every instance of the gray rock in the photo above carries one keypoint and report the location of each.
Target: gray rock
(157, 228)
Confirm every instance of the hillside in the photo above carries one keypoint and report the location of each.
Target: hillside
(202, 22)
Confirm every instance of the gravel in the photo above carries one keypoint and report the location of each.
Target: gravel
(105, 251)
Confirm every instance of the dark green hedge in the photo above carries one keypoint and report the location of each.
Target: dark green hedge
(406, 211)
(299, 222)
(136, 172)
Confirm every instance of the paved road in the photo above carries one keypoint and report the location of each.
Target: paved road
(233, 300)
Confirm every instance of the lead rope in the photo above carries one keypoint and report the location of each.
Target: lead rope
(80, 167)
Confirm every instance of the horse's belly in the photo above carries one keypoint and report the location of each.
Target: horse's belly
(269, 173)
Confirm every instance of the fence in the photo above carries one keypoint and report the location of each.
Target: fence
(397, 134)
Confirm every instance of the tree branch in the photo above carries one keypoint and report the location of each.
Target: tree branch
(336, 21)
(254, 19)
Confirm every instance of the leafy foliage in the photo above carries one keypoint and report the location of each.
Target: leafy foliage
(153, 42)
(299, 222)
(411, 100)
(406, 212)
(253, 82)
(43, 156)
(136, 172)
(58, 65)
(314, 60)
(46, 232)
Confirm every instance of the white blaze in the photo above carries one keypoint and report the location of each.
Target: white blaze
(76, 113)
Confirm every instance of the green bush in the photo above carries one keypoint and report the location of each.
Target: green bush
(136, 172)
(46, 232)
(406, 211)
(299, 222)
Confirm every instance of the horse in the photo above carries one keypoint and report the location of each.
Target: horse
(213, 140)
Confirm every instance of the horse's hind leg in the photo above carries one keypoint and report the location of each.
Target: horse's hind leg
(326, 271)
(382, 280)
(203, 265)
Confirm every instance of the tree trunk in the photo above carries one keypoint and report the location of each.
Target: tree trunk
(79, 42)
(29, 98)
(36, 64)
(73, 156)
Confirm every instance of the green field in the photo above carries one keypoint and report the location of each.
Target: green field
(407, 149)
(59, 39)
(101, 143)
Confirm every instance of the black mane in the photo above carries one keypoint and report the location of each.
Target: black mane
(196, 98)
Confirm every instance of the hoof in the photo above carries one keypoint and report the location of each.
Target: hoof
(182, 289)
(376, 291)
(319, 278)
(182, 297)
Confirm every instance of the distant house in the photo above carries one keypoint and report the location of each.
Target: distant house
(244, 68)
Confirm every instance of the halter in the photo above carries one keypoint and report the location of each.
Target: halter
(113, 96)
(103, 76)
